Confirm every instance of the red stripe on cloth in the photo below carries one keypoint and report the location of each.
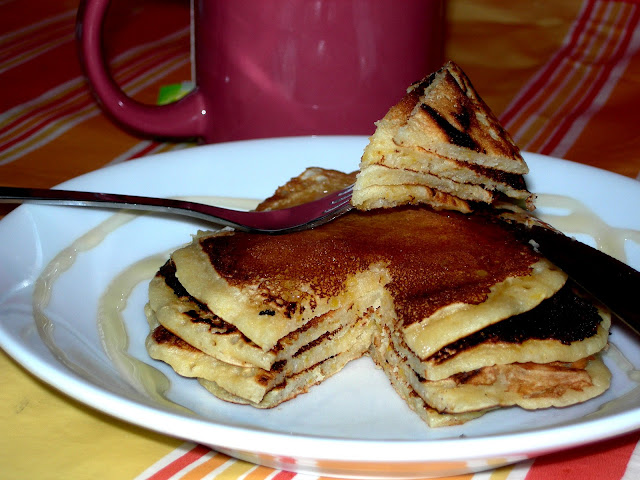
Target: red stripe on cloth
(283, 475)
(534, 88)
(594, 88)
(179, 463)
(604, 461)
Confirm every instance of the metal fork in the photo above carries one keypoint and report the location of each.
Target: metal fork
(301, 217)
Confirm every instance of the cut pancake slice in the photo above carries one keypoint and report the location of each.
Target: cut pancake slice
(564, 328)
(253, 383)
(450, 119)
(527, 385)
(398, 378)
(270, 286)
(546, 357)
(514, 295)
(296, 384)
(440, 145)
(184, 316)
(385, 187)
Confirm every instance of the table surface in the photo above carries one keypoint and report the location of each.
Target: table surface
(563, 77)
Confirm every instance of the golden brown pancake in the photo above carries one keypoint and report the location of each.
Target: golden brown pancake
(563, 328)
(440, 145)
(450, 119)
(254, 383)
(296, 384)
(173, 308)
(455, 399)
(313, 183)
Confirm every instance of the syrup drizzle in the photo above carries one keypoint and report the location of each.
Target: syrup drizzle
(582, 220)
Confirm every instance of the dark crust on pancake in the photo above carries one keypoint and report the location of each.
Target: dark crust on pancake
(461, 125)
(458, 259)
(566, 317)
(456, 136)
(162, 336)
(203, 314)
(168, 273)
(514, 180)
(322, 338)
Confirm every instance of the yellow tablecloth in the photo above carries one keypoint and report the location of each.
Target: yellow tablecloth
(564, 77)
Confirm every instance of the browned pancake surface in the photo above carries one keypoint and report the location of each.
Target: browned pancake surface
(442, 259)
(451, 111)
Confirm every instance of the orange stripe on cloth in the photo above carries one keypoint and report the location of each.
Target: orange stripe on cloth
(608, 73)
(213, 462)
(259, 473)
(196, 462)
(604, 461)
(131, 71)
(553, 108)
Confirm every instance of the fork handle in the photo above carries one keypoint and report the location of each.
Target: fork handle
(223, 216)
(299, 217)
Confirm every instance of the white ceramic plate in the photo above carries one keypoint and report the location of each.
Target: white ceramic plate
(351, 425)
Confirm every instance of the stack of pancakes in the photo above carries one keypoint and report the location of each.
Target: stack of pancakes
(461, 315)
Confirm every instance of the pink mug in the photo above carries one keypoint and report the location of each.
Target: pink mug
(271, 68)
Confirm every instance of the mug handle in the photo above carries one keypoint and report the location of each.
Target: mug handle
(183, 118)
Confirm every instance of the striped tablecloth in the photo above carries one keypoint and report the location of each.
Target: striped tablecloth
(564, 77)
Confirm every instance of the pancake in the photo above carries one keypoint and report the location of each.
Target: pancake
(177, 311)
(242, 279)
(438, 282)
(253, 383)
(462, 262)
(563, 328)
(454, 294)
(527, 385)
(452, 120)
(313, 183)
(440, 145)
(296, 384)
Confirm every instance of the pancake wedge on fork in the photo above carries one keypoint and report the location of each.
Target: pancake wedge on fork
(461, 315)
